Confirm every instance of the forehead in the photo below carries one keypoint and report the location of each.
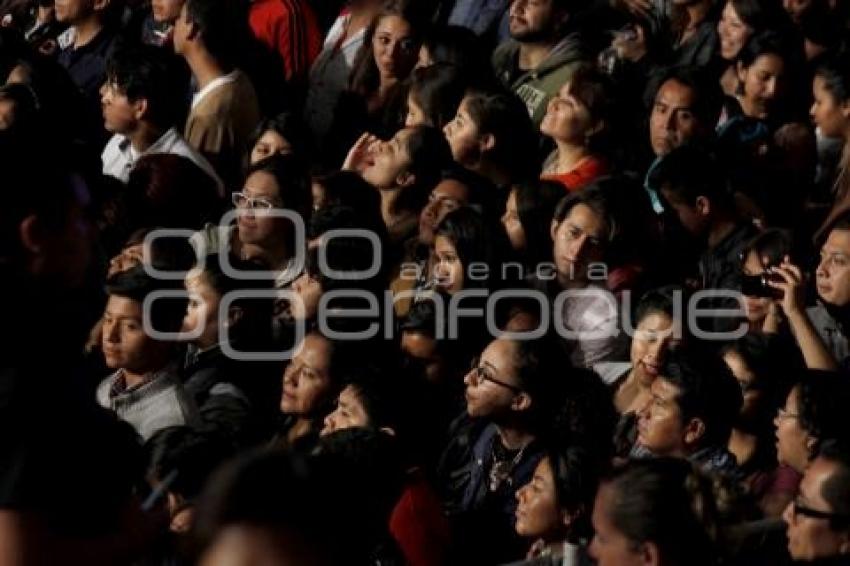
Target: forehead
(674, 92)
(769, 62)
(261, 183)
(418, 344)
(349, 396)
(314, 351)
(664, 389)
(838, 242)
(117, 305)
(730, 11)
(442, 243)
(585, 218)
(450, 188)
(392, 25)
(272, 137)
(655, 320)
(499, 353)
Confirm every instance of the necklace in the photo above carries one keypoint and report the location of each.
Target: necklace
(500, 470)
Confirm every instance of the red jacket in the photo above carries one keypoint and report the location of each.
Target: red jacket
(290, 29)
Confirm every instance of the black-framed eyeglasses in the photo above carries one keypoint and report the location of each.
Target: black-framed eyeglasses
(480, 374)
(241, 200)
(798, 508)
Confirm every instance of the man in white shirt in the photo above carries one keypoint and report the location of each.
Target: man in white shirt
(138, 108)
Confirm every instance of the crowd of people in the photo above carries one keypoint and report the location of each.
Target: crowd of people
(425, 282)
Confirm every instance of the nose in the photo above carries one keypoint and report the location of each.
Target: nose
(670, 122)
(520, 494)
(770, 88)
(579, 247)
(788, 513)
(329, 423)
(656, 350)
(822, 271)
(447, 129)
(110, 332)
(468, 379)
(431, 209)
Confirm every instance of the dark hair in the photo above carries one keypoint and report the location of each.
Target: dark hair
(430, 154)
(26, 106)
(287, 125)
(458, 46)
(595, 91)
(576, 476)
(292, 179)
(170, 191)
(835, 490)
(438, 90)
(190, 455)
(600, 201)
(504, 116)
(349, 189)
(220, 23)
(662, 300)
(253, 328)
(144, 72)
(708, 96)
(166, 314)
(381, 396)
(766, 43)
(823, 398)
(773, 244)
(482, 194)
(762, 15)
(835, 72)
(364, 78)
(475, 240)
(707, 391)
(535, 204)
(691, 171)
(667, 502)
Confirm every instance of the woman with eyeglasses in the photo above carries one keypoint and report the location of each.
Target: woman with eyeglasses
(814, 411)
(758, 363)
(509, 399)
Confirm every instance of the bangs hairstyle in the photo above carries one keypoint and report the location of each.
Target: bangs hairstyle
(438, 90)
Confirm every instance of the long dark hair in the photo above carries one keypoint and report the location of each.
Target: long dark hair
(535, 205)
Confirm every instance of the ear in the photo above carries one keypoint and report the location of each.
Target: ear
(486, 142)
(694, 430)
(553, 229)
(405, 179)
(234, 315)
(811, 443)
(845, 109)
(31, 234)
(703, 206)
(649, 554)
(521, 402)
(140, 108)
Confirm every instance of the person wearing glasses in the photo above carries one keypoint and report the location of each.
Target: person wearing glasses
(818, 520)
(814, 411)
(509, 392)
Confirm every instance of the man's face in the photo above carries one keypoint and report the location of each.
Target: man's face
(672, 121)
(833, 272)
(125, 343)
(182, 29)
(534, 20)
(578, 243)
(258, 225)
(811, 538)
(660, 425)
(73, 11)
(120, 115)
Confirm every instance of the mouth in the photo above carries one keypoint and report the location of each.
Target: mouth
(650, 369)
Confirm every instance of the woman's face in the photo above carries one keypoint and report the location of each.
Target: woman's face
(829, 114)
(394, 48)
(388, 161)
(166, 10)
(448, 269)
(308, 293)
(791, 439)
(653, 339)
(256, 225)
(415, 114)
(512, 224)
(748, 381)
(764, 84)
(567, 120)
(268, 144)
(610, 547)
(201, 320)
(537, 512)
(463, 137)
(756, 308)
(733, 32)
(492, 386)
(306, 380)
(349, 412)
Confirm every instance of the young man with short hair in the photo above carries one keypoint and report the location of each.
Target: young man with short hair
(693, 405)
(138, 108)
(144, 390)
(224, 111)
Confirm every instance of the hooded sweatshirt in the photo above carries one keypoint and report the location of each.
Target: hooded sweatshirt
(536, 86)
